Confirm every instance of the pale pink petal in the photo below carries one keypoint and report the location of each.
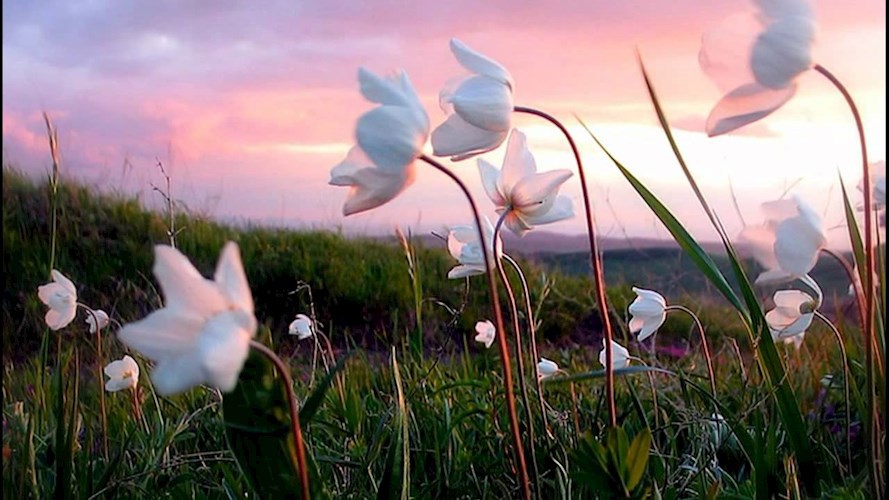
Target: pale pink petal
(484, 103)
(460, 140)
(183, 286)
(538, 188)
(56, 319)
(491, 182)
(67, 284)
(342, 174)
(745, 105)
(374, 187)
(163, 333)
(478, 63)
(791, 299)
(561, 208)
(518, 162)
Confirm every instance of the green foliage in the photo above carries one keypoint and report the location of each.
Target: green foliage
(613, 469)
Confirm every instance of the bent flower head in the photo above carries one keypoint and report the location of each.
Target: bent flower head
(390, 138)
(301, 327)
(792, 315)
(61, 297)
(788, 243)
(528, 198)
(97, 320)
(122, 374)
(620, 356)
(648, 312)
(756, 58)
(464, 245)
(486, 333)
(546, 368)
(202, 334)
(479, 107)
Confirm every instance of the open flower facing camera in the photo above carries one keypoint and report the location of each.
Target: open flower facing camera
(203, 332)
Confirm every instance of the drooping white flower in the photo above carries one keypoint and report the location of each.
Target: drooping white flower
(61, 297)
(301, 327)
(620, 356)
(756, 58)
(486, 333)
(122, 374)
(98, 316)
(202, 334)
(648, 311)
(787, 244)
(546, 368)
(792, 315)
(390, 138)
(530, 198)
(479, 107)
(464, 245)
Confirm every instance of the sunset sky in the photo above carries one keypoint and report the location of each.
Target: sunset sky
(249, 104)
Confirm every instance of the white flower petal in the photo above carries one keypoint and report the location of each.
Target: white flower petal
(390, 137)
(486, 333)
(461, 140)
(791, 299)
(463, 271)
(484, 102)
(533, 190)
(231, 278)
(478, 63)
(56, 319)
(796, 246)
(384, 91)
(491, 182)
(176, 374)
(561, 208)
(223, 348)
(183, 286)
(546, 368)
(619, 355)
(163, 333)
(67, 284)
(781, 52)
(744, 105)
(99, 316)
(374, 187)
(518, 162)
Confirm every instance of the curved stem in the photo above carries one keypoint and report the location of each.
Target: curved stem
(294, 415)
(535, 355)
(846, 375)
(99, 365)
(519, 352)
(501, 339)
(871, 354)
(704, 344)
(595, 260)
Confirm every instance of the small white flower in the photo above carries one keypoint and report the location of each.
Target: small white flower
(530, 198)
(718, 430)
(97, 315)
(756, 59)
(61, 297)
(202, 334)
(301, 327)
(464, 245)
(787, 244)
(792, 315)
(620, 356)
(390, 138)
(486, 333)
(648, 311)
(123, 374)
(480, 107)
(546, 368)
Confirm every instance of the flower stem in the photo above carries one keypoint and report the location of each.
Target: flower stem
(100, 379)
(520, 352)
(535, 355)
(501, 339)
(846, 375)
(704, 344)
(294, 415)
(872, 356)
(595, 260)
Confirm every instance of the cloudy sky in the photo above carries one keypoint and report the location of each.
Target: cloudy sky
(249, 104)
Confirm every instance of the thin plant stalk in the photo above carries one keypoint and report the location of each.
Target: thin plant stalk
(595, 260)
(508, 385)
(294, 415)
(704, 345)
(532, 327)
(100, 379)
(520, 351)
(846, 375)
(872, 356)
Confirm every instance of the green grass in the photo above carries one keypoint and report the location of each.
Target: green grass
(457, 437)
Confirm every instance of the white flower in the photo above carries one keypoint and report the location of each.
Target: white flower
(648, 311)
(718, 430)
(123, 374)
(757, 59)
(620, 357)
(99, 316)
(301, 327)
(486, 333)
(792, 315)
(787, 244)
(61, 297)
(202, 334)
(480, 107)
(546, 368)
(529, 198)
(390, 138)
(464, 245)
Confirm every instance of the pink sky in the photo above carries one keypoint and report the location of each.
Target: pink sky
(249, 105)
